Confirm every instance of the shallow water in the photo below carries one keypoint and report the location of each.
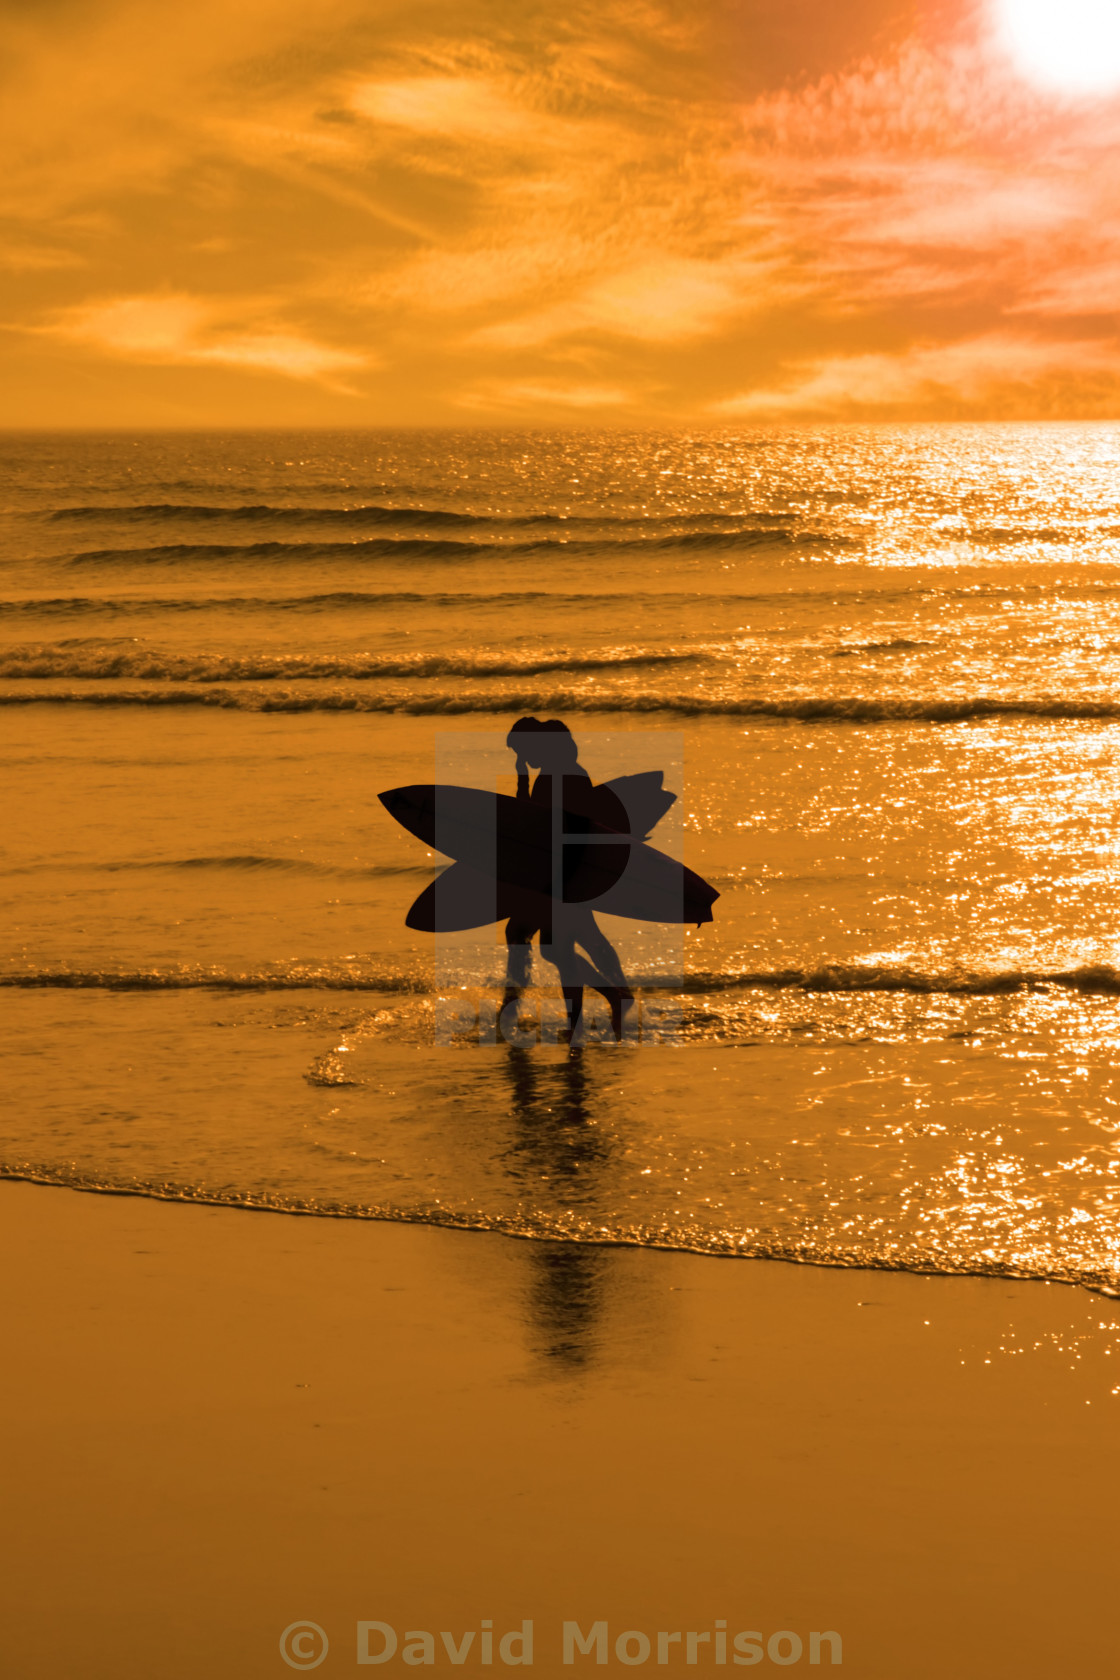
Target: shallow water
(891, 657)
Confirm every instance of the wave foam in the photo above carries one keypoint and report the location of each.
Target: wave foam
(569, 1227)
(47, 663)
(454, 550)
(501, 699)
(373, 513)
(205, 977)
(830, 978)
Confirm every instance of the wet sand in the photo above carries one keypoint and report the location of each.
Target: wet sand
(221, 1423)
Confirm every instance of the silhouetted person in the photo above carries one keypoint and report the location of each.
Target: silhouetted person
(563, 786)
(540, 861)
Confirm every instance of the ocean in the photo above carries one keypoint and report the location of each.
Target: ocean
(879, 666)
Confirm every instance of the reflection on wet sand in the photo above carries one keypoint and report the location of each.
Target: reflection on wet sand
(556, 1143)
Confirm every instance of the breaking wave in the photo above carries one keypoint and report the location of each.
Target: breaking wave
(187, 977)
(852, 978)
(455, 550)
(378, 514)
(281, 865)
(47, 663)
(501, 698)
(991, 536)
(113, 606)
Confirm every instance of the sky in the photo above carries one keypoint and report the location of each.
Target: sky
(515, 213)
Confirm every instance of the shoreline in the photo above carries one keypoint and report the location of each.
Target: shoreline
(451, 1222)
(225, 1426)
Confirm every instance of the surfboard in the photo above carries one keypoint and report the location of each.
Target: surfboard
(504, 861)
(463, 898)
(644, 800)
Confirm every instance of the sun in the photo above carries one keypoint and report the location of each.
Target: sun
(1070, 45)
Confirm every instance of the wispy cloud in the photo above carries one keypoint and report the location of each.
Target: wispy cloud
(464, 107)
(504, 396)
(23, 256)
(175, 329)
(666, 302)
(1007, 376)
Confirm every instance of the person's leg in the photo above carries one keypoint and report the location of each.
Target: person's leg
(575, 971)
(519, 960)
(599, 948)
(573, 1003)
(613, 986)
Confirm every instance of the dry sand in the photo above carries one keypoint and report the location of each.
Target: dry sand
(219, 1423)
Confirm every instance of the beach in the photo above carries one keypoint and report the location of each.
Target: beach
(559, 856)
(787, 1325)
(221, 1423)
(560, 839)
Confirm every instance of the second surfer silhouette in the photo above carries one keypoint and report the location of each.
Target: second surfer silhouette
(562, 783)
(545, 861)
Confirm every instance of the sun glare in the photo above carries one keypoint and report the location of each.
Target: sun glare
(1072, 45)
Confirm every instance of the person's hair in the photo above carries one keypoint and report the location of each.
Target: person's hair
(534, 726)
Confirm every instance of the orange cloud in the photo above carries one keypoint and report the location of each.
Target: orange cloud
(509, 395)
(664, 302)
(1004, 375)
(452, 107)
(176, 329)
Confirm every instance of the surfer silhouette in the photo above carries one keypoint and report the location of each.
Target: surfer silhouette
(545, 861)
(550, 749)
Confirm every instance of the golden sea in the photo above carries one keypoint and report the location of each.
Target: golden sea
(884, 662)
